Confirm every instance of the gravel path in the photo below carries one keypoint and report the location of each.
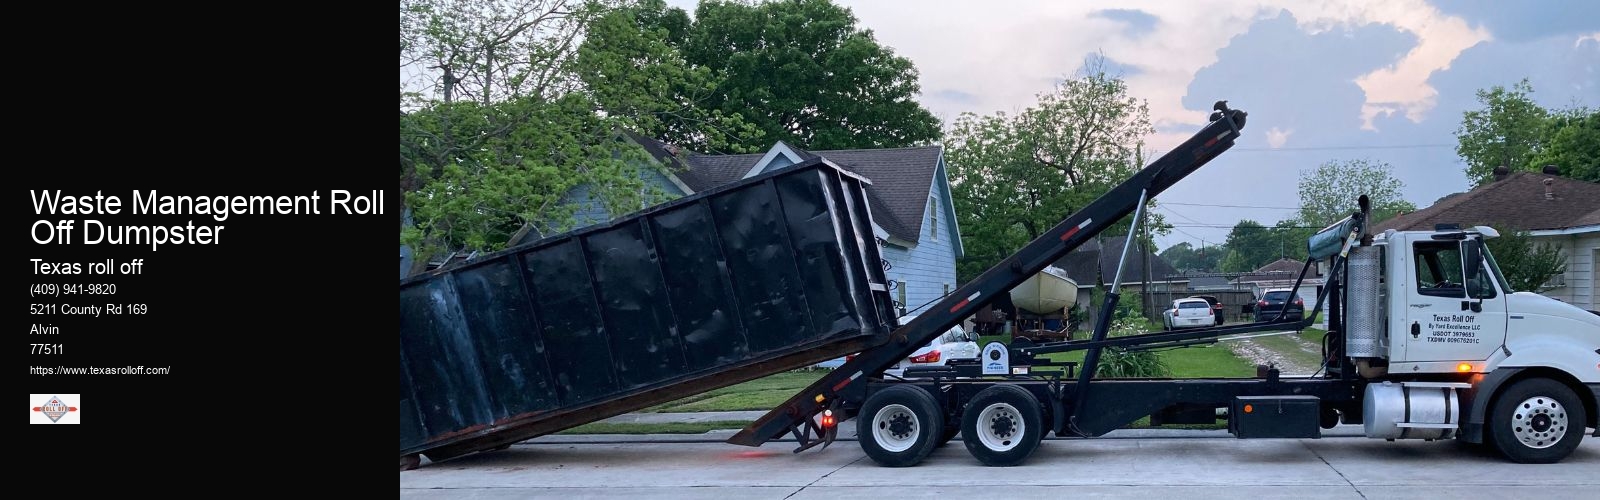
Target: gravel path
(1287, 365)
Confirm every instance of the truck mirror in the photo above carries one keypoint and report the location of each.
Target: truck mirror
(1472, 251)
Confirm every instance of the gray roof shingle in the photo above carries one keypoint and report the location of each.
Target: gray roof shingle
(898, 197)
(1515, 203)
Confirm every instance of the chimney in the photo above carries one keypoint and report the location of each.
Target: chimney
(1552, 170)
(1501, 172)
(1549, 193)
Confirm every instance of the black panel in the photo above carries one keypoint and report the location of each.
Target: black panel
(675, 300)
(762, 267)
(444, 364)
(499, 316)
(633, 300)
(702, 298)
(574, 337)
(814, 233)
(1297, 417)
(411, 431)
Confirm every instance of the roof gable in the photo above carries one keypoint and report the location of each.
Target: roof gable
(898, 196)
(1516, 203)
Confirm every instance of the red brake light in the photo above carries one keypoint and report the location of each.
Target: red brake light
(1261, 302)
(1208, 312)
(849, 358)
(827, 419)
(930, 357)
(1299, 302)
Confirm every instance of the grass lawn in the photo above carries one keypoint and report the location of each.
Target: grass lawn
(665, 428)
(1200, 361)
(760, 394)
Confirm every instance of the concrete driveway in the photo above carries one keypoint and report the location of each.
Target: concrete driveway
(1185, 468)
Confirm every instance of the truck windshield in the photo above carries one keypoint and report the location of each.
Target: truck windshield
(1494, 267)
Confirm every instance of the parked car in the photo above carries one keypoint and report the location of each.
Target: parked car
(1216, 305)
(1188, 313)
(957, 343)
(1277, 300)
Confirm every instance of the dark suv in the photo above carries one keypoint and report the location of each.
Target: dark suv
(1280, 299)
(1216, 305)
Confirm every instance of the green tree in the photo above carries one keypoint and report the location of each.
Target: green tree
(1330, 192)
(802, 71)
(1505, 131)
(497, 125)
(1525, 263)
(1015, 176)
(630, 64)
(1186, 257)
(1510, 129)
(1250, 245)
(1572, 142)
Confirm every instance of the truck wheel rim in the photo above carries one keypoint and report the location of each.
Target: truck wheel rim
(895, 428)
(1000, 427)
(1539, 422)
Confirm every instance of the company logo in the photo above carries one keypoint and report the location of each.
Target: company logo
(55, 408)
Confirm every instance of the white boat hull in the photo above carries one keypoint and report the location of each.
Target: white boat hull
(1045, 293)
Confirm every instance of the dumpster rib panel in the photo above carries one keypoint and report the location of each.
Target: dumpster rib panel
(731, 284)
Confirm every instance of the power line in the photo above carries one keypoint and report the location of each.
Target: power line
(1347, 148)
(1226, 206)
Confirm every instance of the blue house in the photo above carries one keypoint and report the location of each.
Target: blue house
(912, 212)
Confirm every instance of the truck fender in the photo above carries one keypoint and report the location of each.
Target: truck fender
(1565, 354)
(1544, 355)
(1478, 402)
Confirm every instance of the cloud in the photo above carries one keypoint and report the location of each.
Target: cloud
(1139, 22)
(1276, 137)
(1592, 37)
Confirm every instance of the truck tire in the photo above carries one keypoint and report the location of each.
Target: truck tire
(1536, 421)
(899, 426)
(1002, 426)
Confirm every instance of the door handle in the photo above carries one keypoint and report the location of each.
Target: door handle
(1416, 329)
(1475, 306)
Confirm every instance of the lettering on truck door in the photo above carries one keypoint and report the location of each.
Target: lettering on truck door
(1451, 317)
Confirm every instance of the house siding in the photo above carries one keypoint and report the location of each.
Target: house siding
(927, 267)
(1579, 250)
(590, 211)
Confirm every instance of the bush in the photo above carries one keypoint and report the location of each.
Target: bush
(1116, 362)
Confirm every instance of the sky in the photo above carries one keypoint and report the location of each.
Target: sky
(1385, 80)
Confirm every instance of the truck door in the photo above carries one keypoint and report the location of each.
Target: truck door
(1452, 316)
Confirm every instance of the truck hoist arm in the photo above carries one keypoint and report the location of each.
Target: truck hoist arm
(798, 414)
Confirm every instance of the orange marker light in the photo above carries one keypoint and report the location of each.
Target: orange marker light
(820, 398)
(1249, 408)
(1464, 367)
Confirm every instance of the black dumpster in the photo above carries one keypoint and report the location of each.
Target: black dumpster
(764, 275)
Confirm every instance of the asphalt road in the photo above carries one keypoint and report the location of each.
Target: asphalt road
(1175, 467)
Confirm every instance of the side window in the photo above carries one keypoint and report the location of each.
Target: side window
(1438, 266)
(933, 212)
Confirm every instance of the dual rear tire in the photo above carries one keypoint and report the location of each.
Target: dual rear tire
(901, 425)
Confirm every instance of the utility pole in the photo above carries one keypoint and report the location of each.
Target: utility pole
(1144, 243)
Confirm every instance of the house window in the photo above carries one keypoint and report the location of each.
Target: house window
(933, 211)
(902, 290)
(947, 289)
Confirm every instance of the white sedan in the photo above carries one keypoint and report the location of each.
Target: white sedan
(1188, 313)
(955, 343)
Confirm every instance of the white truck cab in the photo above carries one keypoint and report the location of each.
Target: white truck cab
(1444, 318)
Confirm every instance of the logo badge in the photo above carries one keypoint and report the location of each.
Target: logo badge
(55, 408)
